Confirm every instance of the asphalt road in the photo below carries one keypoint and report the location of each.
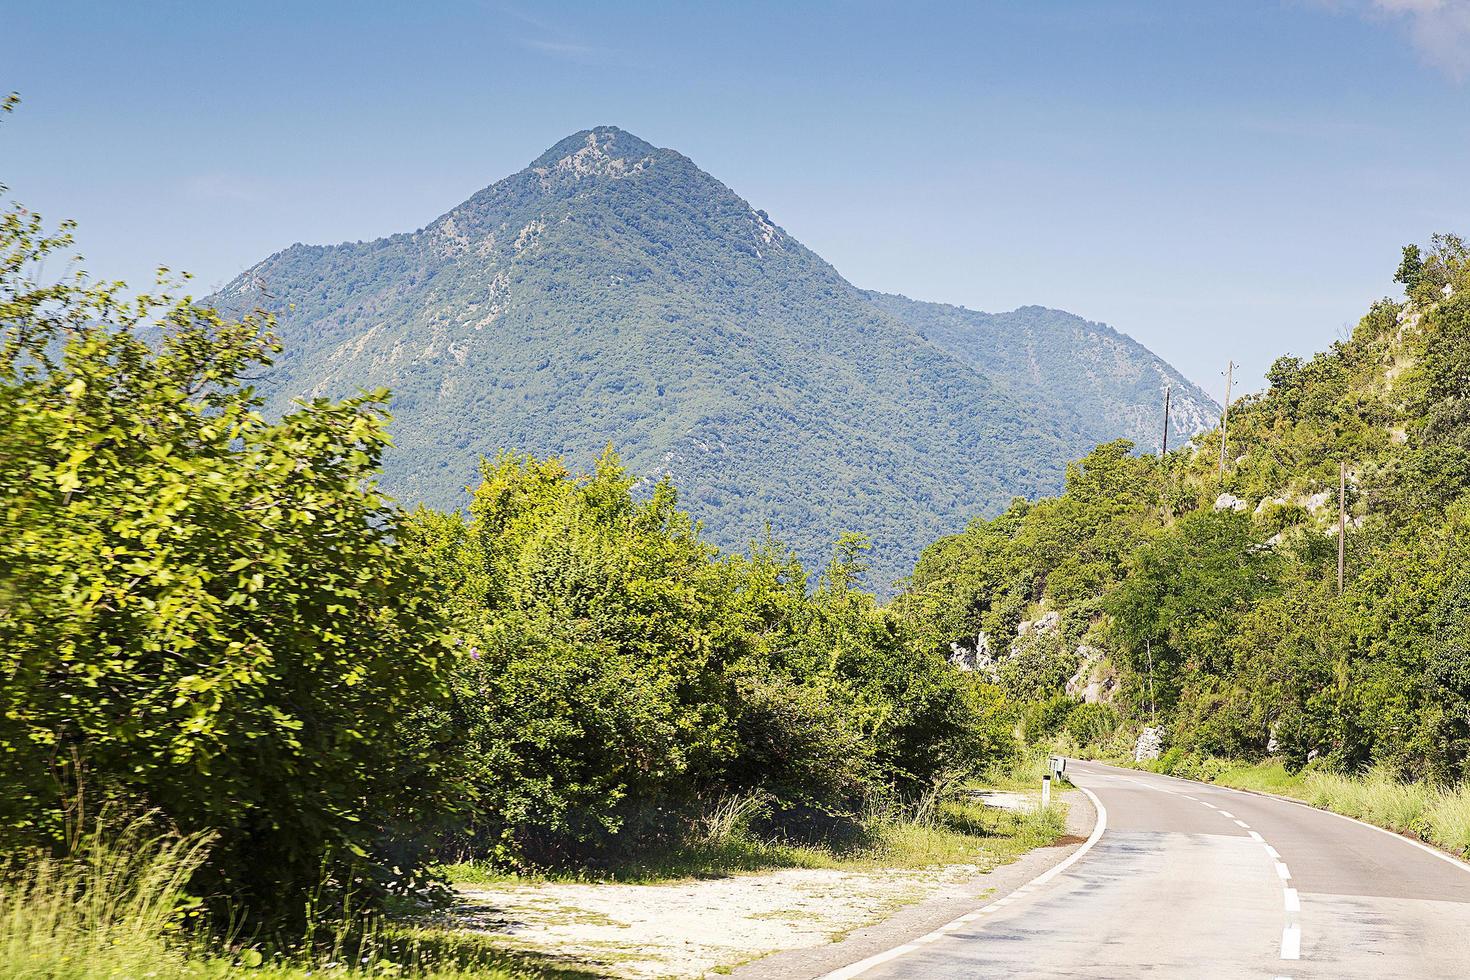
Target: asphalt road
(1190, 880)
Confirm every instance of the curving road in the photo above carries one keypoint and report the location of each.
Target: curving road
(1184, 879)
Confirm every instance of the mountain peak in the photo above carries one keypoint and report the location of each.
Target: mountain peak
(595, 150)
(613, 291)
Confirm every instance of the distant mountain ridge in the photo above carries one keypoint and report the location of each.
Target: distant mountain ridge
(614, 292)
(1107, 382)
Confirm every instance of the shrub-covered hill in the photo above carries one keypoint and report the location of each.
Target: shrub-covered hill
(1101, 382)
(1211, 599)
(613, 292)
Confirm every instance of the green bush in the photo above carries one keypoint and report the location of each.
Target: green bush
(1091, 724)
(613, 673)
(1045, 719)
(198, 609)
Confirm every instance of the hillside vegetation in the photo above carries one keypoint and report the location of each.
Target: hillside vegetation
(613, 292)
(1098, 382)
(1167, 589)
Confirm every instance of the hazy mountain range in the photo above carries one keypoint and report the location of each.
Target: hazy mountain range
(614, 292)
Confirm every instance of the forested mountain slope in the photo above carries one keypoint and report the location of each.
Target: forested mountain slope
(1103, 382)
(613, 292)
(1210, 599)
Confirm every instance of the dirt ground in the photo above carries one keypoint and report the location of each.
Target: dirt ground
(692, 928)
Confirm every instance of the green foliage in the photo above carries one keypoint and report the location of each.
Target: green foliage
(198, 608)
(1091, 724)
(1216, 597)
(1044, 719)
(613, 670)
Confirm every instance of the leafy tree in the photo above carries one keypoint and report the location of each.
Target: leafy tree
(199, 610)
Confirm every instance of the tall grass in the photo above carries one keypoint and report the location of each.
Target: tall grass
(119, 906)
(1439, 815)
(728, 819)
(116, 908)
(935, 829)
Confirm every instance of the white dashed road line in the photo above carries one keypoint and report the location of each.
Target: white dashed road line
(1291, 932)
(1291, 942)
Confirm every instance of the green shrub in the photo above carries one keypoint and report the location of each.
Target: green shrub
(1091, 724)
(1044, 719)
(613, 672)
(198, 609)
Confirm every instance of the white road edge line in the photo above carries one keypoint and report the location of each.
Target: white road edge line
(863, 966)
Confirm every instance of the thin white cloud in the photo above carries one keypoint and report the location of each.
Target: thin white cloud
(554, 41)
(226, 187)
(565, 49)
(1438, 29)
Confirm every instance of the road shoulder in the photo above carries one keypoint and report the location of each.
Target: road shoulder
(923, 917)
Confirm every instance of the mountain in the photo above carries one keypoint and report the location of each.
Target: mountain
(1102, 382)
(613, 292)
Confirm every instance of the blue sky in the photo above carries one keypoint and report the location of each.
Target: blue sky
(1221, 180)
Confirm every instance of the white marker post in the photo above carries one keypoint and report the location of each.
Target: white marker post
(1056, 765)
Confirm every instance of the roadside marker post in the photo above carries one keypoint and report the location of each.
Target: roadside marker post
(1056, 767)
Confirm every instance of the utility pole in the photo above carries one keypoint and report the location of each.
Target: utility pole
(1153, 714)
(1341, 523)
(1225, 416)
(1168, 389)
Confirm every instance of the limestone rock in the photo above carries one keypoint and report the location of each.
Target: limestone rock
(1228, 501)
(1044, 623)
(1150, 743)
(1094, 681)
(1270, 502)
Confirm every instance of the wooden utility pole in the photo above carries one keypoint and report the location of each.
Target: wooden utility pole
(1341, 523)
(1168, 389)
(1153, 713)
(1225, 416)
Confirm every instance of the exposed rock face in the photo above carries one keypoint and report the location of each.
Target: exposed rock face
(1270, 502)
(1094, 681)
(1149, 745)
(977, 659)
(1043, 624)
(1228, 501)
